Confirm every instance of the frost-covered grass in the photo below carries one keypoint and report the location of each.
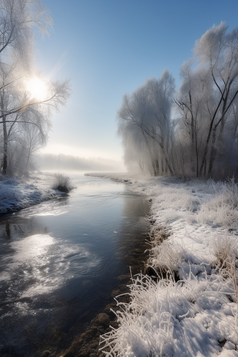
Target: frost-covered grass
(222, 209)
(196, 313)
(165, 259)
(174, 319)
(62, 183)
(16, 193)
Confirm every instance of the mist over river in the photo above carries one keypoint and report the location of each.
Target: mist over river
(61, 260)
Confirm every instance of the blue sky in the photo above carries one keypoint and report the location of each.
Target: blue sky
(110, 47)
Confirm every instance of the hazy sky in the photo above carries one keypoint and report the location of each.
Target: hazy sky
(110, 47)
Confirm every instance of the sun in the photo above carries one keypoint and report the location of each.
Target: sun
(37, 89)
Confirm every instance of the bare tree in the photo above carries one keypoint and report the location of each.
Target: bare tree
(193, 101)
(207, 101)
(144, 125)
(217, 50)
(18, 109)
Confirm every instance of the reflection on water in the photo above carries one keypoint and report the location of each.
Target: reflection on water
(60, 260)
(54, 207)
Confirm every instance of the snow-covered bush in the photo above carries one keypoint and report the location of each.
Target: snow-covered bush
(62, 183)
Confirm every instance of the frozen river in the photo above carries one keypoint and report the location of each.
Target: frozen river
(61, 260)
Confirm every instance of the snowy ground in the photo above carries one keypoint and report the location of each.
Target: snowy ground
(195, 244)
(21, 193)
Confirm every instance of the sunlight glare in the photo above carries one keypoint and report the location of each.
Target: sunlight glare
(37, 88)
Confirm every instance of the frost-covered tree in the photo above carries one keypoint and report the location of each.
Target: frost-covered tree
(145, 127)
(161, 94)
(203, 139)
(19, 109)
(193, 100)
(218, 50)
(207, 101)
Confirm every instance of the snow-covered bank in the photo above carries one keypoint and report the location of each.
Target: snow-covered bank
(18, 193)
(195, 312)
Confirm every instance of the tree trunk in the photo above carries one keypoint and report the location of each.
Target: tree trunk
(5, 147)
(213, 153)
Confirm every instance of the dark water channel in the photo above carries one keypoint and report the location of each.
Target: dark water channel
(61, 263)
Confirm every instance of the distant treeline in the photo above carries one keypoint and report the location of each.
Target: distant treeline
(202, 137)
(68, 162)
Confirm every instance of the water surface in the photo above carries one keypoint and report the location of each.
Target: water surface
(60, 262)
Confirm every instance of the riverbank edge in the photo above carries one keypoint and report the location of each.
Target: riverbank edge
(184, 266)
(20, 193)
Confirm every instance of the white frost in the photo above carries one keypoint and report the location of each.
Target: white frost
(196, 316)
(17, 193)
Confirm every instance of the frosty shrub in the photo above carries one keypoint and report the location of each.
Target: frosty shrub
(62, 183)
(222, 208)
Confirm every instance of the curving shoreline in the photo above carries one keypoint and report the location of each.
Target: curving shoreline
(200, 302)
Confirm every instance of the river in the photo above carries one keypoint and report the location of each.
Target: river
(62, 261)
